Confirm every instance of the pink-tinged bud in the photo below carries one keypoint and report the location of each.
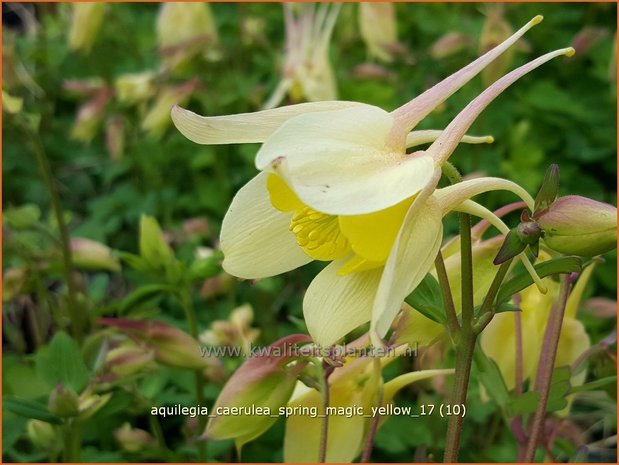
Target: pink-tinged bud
(379, 29)
(133, 440)
(218, 285)
(63, 402)
(601, 307)
(579, 226)
(450, 44)
(263, 384)
(586, 38)
(171, 346)
(496, 29)
(42, 435)
(85, 24)
(90, 115)
(90, 403)
(197, 227)
(158, 117)
(135, 87)
(115, 137)
(127, 360)
(372, 71)
(92, 255)
(184, 30)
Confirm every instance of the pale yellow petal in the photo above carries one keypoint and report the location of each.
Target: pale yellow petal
(410, 260)
(335, 305)
(244, 127)
(255, 238)
(340, 163)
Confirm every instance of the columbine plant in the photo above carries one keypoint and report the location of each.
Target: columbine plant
(338, 183)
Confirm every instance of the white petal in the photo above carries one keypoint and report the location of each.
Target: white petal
(255, 238)
(335, 305)
(411, 258)
(243, 127)
(339, 162)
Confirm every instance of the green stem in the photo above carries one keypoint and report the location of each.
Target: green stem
(77, 321)
(71, 438)
(155, 427)
(464, 360)
(452, 317)
(324, 429)
(466, 337)
(369, 440)
(545, 367)
(192, 322)
(487, 309)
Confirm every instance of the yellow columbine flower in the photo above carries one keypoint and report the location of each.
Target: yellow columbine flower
(353, 393)
(337, 184)
(498, 339)
(307, 71)
(86, 20)
(379, 29)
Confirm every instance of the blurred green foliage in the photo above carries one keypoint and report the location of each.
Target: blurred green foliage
(564, 112)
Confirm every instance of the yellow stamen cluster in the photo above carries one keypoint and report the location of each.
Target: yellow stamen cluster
(319, 234)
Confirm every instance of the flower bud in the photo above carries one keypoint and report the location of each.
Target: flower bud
(90, 115)
(263, 381)
(184, 29)
(580, 226)
(115, 137)
(171, 346)
(496, 29)
(11, 104)
(86, 21)
(63, 402)
(42, 435)
(135, 87)
(158, 117)
(379, 29)
(90, 403)
(127, 360)
(92, 255)
(133, 440)
(450, 44)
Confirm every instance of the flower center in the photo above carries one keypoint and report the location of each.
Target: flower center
(319, 235)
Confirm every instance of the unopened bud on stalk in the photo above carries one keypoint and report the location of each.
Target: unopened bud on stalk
(171, 346)
(579, 226)
(42, 435)
(63, 402)
(92, 255)
(85, 24)
(133, 440)
(127, 360)
(263, 381)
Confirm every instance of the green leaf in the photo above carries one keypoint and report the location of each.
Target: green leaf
(559, 388)
(153, 247)
(144, 294)
(29, 409)
(427, 299)
(523, 280)
(61, 362)
(22, 217)
(549, 189)
(594, 385)
(524, 404)
(512, 246)
(490, 376)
